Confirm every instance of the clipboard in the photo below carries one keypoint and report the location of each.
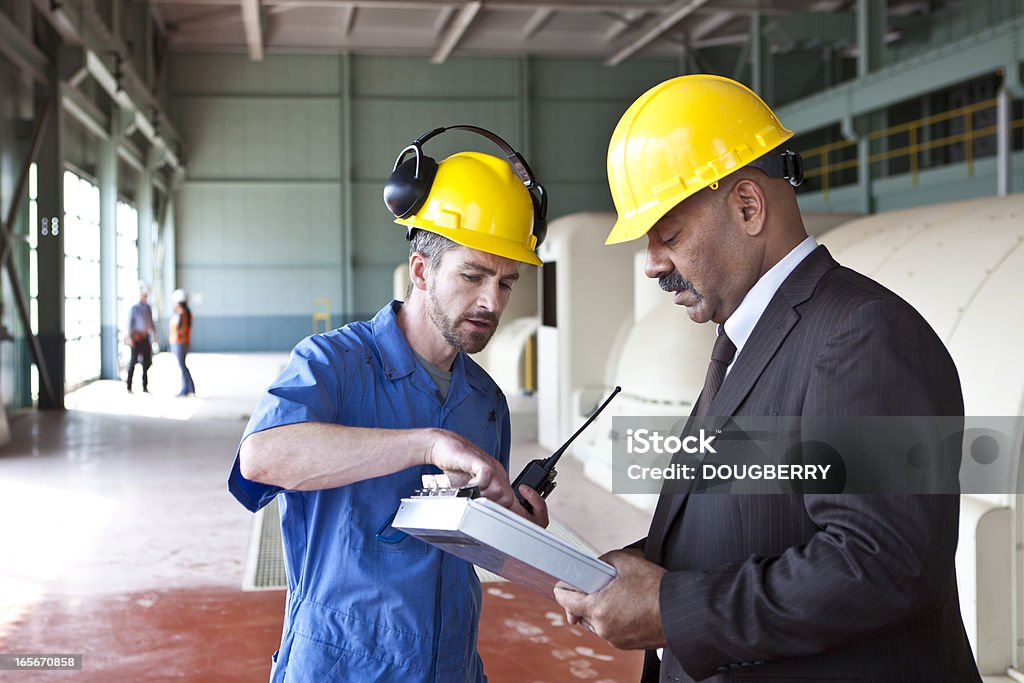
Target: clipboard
(498, 540)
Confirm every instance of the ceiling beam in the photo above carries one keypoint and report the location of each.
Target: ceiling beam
(675, 13)
(717, 41)
(253, 29)
(348, 18)
(444, 15)
(466, 15)
(213, 19)
(21, 50)
(158, 17)
(588, 6)
(536, 21)
(622, 23)
(710, 25)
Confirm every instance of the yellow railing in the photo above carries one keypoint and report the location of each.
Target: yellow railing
(321, 314)
(912, 149)
(530, 365)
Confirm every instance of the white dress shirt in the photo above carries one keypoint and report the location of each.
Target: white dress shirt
(741, 323)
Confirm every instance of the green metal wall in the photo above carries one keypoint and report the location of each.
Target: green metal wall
(287, 159)
(14, 350)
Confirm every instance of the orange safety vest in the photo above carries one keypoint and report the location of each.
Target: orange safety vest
(181, 329)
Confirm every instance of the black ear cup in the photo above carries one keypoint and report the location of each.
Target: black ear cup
(797, 176)
(540, 221)
(405, 191)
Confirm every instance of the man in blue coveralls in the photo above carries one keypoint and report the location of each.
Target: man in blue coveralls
(360, 413)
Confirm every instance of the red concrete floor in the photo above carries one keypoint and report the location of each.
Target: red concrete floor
(119, 541)
(192, 634)
(524, 639)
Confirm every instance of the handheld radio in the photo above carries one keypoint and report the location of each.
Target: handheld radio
(539, 475)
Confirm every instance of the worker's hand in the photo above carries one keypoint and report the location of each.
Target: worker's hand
(539, 516)
(467, 465)
(626, 612)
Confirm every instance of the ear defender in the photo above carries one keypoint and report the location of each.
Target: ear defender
(787, 164)
(409, 183)
(795, 174)
(540, 213)
(408, 186)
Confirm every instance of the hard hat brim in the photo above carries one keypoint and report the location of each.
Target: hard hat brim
(472, 239)
(627, 229)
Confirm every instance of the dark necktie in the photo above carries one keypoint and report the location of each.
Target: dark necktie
(721, 356)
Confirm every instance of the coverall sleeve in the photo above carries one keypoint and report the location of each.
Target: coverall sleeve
(307, 390)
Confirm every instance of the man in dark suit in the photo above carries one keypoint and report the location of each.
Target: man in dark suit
(787, 587)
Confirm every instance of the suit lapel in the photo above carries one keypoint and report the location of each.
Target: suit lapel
(669, 501)
(774, 325)
(769, 333)
(772, 328)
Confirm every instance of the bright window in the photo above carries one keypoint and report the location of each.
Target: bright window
(127, 271)
(81, 280)
(33, 267)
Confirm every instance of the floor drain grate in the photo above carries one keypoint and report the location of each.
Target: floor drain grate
(264, 567)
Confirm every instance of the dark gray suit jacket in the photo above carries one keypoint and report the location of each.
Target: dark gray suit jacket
(818, 587)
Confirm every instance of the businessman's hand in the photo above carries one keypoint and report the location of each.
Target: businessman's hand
(626, 612)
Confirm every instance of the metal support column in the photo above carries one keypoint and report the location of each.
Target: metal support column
(871, 28)
(523, 112)
(850, 131)
(1004, 138)
(144, 198)
(108, 182)
(762, 75)
(168, 240)
(50, 236)
(756, 40)
(864, 175)
(21, 16)
(347, 212)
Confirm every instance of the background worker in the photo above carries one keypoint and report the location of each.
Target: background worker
(181, 338)
(786, 587)
(361, 412)
(140, 327)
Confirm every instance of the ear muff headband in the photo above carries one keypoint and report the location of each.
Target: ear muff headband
(409, 184)
(787, 164)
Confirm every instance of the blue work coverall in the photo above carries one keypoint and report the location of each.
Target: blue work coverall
(365, 601)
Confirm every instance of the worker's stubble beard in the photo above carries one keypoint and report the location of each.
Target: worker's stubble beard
(460, 340)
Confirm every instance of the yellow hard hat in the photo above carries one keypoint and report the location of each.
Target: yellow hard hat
(679, 137)
(478, 201)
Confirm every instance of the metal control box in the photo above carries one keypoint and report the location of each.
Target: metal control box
(495, 538)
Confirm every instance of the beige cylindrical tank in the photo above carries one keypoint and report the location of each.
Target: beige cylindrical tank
(818, 223)
(962, 266)
(400, 281)
(511, 355)
(588, 293)
(660, 366)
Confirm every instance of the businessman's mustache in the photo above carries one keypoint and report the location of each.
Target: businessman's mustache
(675, 282)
